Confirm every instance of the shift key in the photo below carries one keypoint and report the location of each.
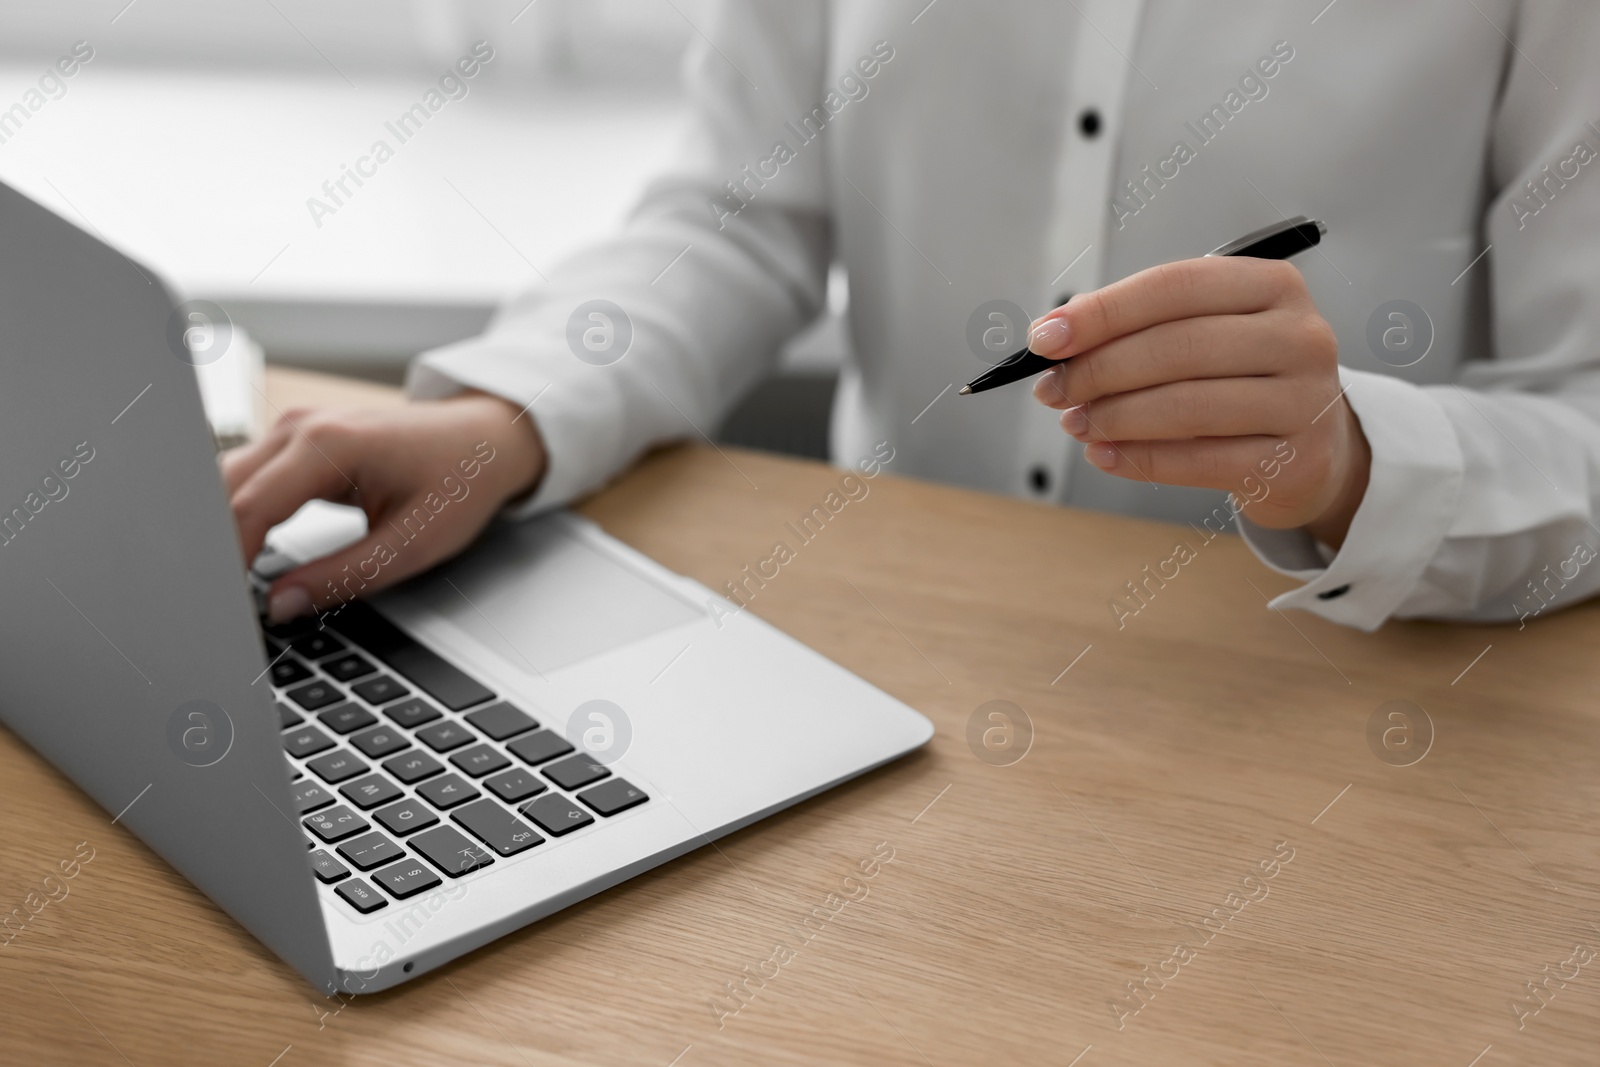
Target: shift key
(449, 850)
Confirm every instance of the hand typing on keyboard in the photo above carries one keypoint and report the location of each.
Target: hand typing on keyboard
(429, 476)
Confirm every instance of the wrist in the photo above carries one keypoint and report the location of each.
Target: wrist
(521, 458)
(1333, 524)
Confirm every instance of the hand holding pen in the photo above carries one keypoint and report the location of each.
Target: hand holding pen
(1197, 372)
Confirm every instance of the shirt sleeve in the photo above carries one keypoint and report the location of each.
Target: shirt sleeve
(1484, 495)
(722, 261)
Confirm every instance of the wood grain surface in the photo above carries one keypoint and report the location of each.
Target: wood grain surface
(1198, 807)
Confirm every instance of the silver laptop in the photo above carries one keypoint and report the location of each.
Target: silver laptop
(381, 790)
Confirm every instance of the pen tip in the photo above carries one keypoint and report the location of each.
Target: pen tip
(965, 389)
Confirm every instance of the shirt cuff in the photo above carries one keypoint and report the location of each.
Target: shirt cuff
(1412, 496)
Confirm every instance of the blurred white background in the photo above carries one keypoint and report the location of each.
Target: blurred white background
(196, 134)
(608, 43)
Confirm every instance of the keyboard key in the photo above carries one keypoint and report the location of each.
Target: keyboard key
(381, 741)
(287, 716)
(306, 741)
(326, 868)
(496, 827)
(479, 760)
(317, 644)
(288, 631)
(349, 667)
(575, 773)
(346, 717)
(308, 796)
(288, 671)
(270, 564)
(448, 791)
(444, 736)
(315, 695)
(438, 678)
(380, 690)
(412, 713)
(514, 785)
(371, 790)
(615, 796)
(335, 767)
(370, 850)
(406, 817)
(449, 850)
(413, 767)
(406, 879)
(336, 824)
(557, 815)
(536, 748)
(501, 721)
(361, 896)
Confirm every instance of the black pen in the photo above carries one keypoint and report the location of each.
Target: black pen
(1278, 241)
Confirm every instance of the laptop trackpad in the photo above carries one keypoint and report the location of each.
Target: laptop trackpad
(540, 594)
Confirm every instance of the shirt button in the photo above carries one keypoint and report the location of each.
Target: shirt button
(1333, 594)
(1039, 478)
(1089, 123)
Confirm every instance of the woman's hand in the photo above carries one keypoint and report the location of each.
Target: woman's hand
(1195, 372)
(429, 476)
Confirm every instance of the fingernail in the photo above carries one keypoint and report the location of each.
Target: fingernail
(1047, 387)
(1050, 336)
(1075, 420)
(1102, 454)
(288, 603)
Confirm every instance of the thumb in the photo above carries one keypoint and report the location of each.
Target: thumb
(386, 555)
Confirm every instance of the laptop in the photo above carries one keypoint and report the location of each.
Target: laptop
(407, 778)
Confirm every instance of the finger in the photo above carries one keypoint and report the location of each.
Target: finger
(298, 473)
(238, 464)
(1217, 407)
(1207, 463)
(1217, 346)
(385, 556)
(1189, 288)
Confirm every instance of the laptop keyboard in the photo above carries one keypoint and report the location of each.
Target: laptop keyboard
(408, 771)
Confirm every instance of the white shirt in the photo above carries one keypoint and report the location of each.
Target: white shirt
(945, 155)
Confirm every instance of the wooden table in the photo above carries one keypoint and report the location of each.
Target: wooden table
(1175, 761)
